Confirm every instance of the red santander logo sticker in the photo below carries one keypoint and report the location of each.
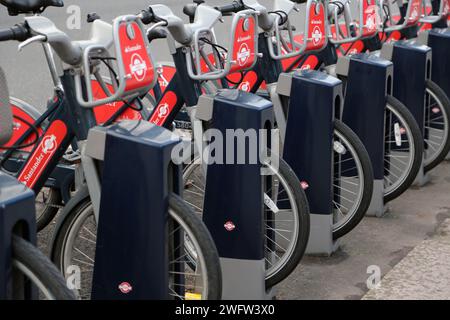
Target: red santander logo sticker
(244, 44)
(245, 86)
(229, 226)
(49, 144)
(163, 110)
(316, 35)
(37, 162)
(137, 63)
(125, 287)
(304, 185)
(243, 54)
(138, 67)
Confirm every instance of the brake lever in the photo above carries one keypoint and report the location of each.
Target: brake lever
(38, 38)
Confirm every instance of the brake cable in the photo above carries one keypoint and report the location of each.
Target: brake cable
(283, 16)
(216, 48)
(34, 130)
(104, 60)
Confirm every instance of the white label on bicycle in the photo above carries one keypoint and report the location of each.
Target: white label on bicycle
(316, 35)
(398, 134)
(138, 67)
(339, 148)
(270, 204)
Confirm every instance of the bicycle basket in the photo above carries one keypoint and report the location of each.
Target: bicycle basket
(132, 65)
(371, 18)
(315, 40)
(342, 28)
(240, 55)
(316, 26)
(281, 43)
(412, 15)
(430, 16)
(6, 121)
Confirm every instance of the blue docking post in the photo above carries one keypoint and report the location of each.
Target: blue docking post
(412, 67)
(368, 81)
(233, 207)
(131, 261)
(308, 148)
(17, 216)
(439, 41)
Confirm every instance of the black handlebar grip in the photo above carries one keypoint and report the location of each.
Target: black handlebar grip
(157, 33)
(18, 32)
(189, 10)
(147, 16)
(91, 17)
(6, 34)
(231, 8)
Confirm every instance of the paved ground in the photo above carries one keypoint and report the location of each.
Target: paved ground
(423, 274)
(380, 242)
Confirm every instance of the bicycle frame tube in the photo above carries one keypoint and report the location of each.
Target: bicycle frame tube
(180, 90)
(29, 133)
(266, 70)
(269, 68)
(68, 121)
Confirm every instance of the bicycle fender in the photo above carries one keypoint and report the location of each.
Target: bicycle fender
(26, 107)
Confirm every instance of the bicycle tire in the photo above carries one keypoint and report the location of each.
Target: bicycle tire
(29, 260)
(186, 215)
(367, 175)
(300, 242)
(304, 222)
(417, 141)
(44, 217)
(444, 102)
(205, 240)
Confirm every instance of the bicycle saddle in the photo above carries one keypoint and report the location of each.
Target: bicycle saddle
(16, 7)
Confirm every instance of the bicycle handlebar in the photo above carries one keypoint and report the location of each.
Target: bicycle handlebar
(235, 6)
(156, 33)
(18, 32)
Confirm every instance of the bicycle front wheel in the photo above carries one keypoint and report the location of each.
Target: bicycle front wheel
(286, 216)
(48, 201)
(437, 133)
(76, 244)
(30, 265)
(403, 154)
(353, 180)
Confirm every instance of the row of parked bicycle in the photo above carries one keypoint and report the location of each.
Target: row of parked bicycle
(356, 116)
